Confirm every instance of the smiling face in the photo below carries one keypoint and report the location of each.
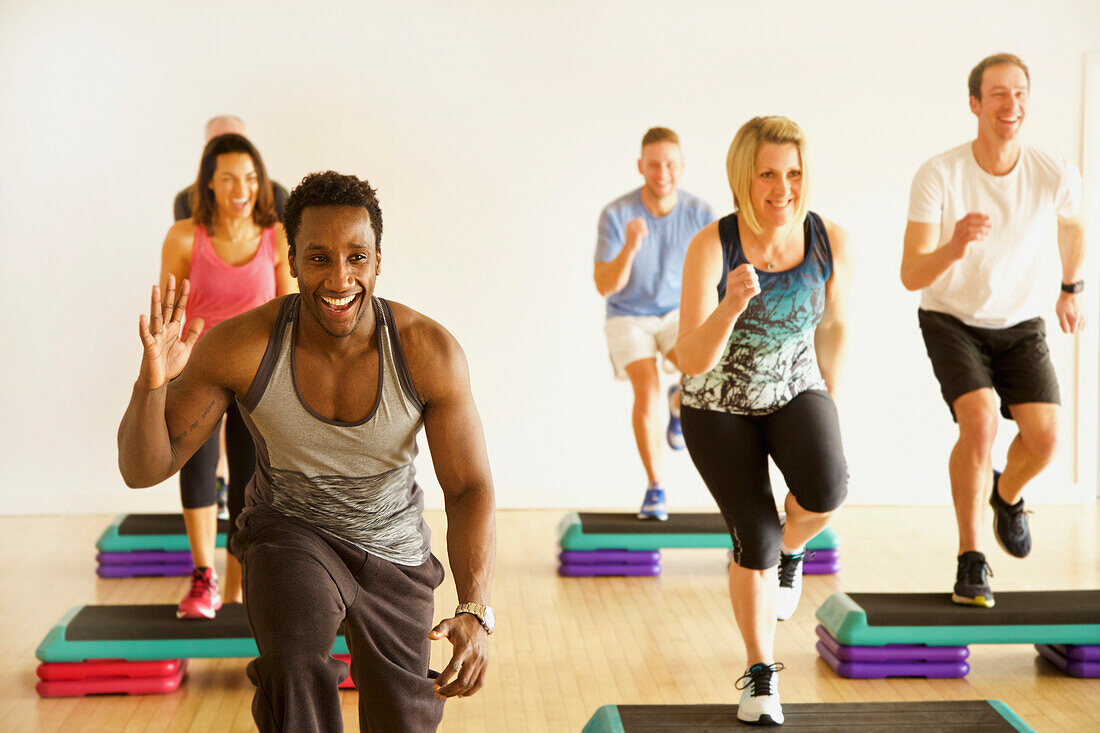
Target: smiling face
(1003, 102)
(776, 189)
(661, 165)
(336, 263)
(235, 184)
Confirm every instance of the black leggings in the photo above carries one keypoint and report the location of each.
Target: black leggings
(731, 453)
(198, 477)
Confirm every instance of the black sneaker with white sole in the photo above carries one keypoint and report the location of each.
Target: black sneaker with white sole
(1010, 523)
(971, 585)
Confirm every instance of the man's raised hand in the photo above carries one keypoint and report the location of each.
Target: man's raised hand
(166, 348)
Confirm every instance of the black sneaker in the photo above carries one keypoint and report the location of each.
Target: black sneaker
(1010, 523)
(971, 586)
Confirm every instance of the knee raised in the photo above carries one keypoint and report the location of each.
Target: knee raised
(1043, 442)
(978, 429)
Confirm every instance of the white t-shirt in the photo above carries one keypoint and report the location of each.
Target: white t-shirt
(994, 285)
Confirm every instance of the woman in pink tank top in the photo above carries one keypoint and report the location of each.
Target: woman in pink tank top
(234, 252)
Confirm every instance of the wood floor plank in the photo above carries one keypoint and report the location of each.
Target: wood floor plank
(565, 646)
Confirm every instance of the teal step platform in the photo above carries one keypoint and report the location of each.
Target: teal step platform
(623, 531)
(942, 716)
(1025, 617)
(150, 632)
(130, 532)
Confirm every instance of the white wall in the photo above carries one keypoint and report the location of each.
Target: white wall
(495, 132)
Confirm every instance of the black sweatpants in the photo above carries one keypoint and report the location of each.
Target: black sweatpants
(299, 586)
(198, 477)
(731, 453)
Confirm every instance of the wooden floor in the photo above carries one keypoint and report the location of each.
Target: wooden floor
(566, 646)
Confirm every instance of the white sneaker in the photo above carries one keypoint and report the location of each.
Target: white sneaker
(760, 695)
(790, 585)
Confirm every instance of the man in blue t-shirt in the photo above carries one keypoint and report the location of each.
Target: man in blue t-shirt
(643, 238)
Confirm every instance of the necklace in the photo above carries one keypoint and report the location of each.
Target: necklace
(770, 264)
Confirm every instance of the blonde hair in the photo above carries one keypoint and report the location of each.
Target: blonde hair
(741, 162)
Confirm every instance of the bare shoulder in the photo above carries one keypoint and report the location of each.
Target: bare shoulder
(231, 352)
(180, 238)
(436, 361)
(706, 245)
(838, 237)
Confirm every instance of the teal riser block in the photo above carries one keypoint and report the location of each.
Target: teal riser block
(571, 536)
(844, 618)
(56, 647)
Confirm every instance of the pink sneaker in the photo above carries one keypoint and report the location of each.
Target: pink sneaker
(203, 600)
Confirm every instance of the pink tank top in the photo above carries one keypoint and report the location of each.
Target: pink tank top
(220, 291)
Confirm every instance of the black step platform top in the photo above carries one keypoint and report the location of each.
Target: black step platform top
(948, 716)
(155, 623)
(147, 524)
(620, 523)
(1013, 608)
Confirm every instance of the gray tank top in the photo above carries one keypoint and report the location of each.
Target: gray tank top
(354, 481)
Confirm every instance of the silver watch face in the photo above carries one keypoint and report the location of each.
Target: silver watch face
(490, 619)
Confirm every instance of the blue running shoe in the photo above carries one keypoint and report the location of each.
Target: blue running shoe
(674, 434)
(653, 507)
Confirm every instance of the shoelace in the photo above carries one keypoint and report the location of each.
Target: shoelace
(1018, 519)
(760, 677)
(199, 584)
(975, 569)
(788, 568)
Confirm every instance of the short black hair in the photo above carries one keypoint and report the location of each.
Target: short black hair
(331, 189)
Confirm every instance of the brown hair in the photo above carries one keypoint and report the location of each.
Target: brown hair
(203, 206)
(660, 135)
(975, 80)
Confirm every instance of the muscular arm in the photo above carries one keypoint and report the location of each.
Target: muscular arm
(613, 275)
(831, 332)
(1071, 248)
(923, 261)
(164, 423)
(706, 323)
(284, 282)
(457, 443)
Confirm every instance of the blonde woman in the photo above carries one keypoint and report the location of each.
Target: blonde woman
(761, 333)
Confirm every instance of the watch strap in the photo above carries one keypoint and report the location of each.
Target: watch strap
(1073, 287)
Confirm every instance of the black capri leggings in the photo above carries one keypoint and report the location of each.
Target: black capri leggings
(198, 477)
(731, 453)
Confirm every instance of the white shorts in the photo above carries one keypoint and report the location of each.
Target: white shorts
(631, 338)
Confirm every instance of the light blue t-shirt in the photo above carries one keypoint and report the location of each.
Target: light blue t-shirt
(654, 285)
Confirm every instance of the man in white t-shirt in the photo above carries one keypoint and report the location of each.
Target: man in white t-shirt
(981, 220)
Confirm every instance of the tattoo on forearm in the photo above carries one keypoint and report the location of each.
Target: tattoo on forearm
(194, 426)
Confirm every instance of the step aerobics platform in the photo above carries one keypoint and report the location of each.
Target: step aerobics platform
(140, 650)
(150, 632)
(947, 716)
(618, 543)
(875, 635)
(136, 532)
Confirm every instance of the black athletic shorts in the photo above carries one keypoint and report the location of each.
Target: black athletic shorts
(1013, 361)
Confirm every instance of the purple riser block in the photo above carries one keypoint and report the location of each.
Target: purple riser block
(1080, 652)
(1072, 667)
(600, 557)
(143, 557)
(587, 571)
(130, 571)
(882, 670)
(821, 556)
(814, 568)
(891, 652)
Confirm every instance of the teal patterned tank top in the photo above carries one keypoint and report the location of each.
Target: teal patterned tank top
(769, 358)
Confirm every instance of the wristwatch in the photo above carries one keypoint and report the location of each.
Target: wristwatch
(484, 614)
(1073, 287)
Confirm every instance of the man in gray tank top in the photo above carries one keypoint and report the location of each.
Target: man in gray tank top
(334, 385)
